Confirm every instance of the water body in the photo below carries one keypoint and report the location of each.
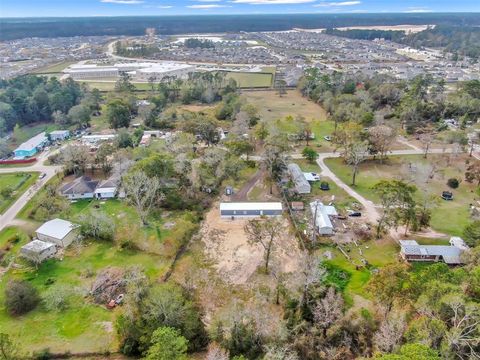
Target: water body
(17, 28)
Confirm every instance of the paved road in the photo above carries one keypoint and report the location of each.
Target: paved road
(8, 218)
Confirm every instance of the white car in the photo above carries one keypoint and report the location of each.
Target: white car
(328, 138)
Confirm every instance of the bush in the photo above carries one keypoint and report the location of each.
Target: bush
(20, 297)
(57, 298)
(453, 183)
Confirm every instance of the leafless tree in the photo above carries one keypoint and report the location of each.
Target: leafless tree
(264, 232)
(312, 273)
(215, 352)
(390, 332)
(328, 310)
(426, 140)
(280, 353)
(355, 155)
(142, 192)
(381, 139)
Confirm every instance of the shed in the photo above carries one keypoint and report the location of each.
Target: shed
(302, 186)
(57, 231)
(31, 146)
(250, 209)
(38, 251)
(322, 214)
(59, 135)
(106, 189)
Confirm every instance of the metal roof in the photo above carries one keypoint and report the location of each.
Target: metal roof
(323, 214)
(33, 143)
(450, 254)
(241, 206)
(302, 186)
(37, 246)
(56, 228)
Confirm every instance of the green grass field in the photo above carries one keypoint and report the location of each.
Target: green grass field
(53, 68)
(19, 182)
(251, 80)
(110, 85)
(450, 217)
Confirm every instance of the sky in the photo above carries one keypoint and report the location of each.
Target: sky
(64, 8)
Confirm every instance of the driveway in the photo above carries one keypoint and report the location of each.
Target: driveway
(8, 218)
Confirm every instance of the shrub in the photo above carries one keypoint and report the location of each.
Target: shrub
(20, 297)
(57, 298)
(453, 183)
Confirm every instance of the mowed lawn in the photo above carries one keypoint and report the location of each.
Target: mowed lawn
(450, 217)
(19, 183)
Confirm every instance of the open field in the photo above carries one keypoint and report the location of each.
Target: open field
(110, 85)
(53, 68)
(19, 183)
(450, 217)
(251, 80)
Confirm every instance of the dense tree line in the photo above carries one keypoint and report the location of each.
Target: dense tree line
(193, 43)
(367, 34)
(29, 99)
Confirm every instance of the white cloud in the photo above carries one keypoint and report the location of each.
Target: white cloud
(206, 6)
(417, 10)
(124, 2)
(341, 3)
(272, 2)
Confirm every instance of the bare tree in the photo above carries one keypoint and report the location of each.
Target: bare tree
(390, 332)
(264, 232)
(215, 352)
(312, 273)
(355, 155)
(328, 310)
(280, 353)
(381, 139)
(426, 140)
(142, 192)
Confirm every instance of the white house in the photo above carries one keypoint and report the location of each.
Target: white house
(59, 232)
(250, 209)
(38, 251)
(59, 135)
(106, 189)
(322, 214)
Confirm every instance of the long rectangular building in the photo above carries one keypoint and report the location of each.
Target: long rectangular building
(250, 209)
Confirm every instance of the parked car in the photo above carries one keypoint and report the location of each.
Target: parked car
(447, 195)
(42, 175)
(328, 138)
(353, 213)
(324, 186)
(119, 299)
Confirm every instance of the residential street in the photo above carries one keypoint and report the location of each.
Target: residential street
(11, 213)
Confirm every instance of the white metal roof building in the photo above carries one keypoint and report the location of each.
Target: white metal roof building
(250, 209)
(31, 146)
(410, 250)
(57, 231)
(302, 186)
(322, 215)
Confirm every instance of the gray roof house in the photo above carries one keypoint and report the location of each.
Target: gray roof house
(410, 250)
(80, 188)
(302, 186)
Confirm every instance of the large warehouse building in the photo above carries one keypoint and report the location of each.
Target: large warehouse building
(140, 71)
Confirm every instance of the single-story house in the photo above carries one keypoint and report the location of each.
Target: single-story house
(250, 209)
(57, 231)
(80, 188)
(32, 146)
(59, 135)
(302, 186)
(322, 214)
(38, 251)
(106, 189)
(95, 139)
(410, 250)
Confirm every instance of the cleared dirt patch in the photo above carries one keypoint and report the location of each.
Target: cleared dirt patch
(234, 258)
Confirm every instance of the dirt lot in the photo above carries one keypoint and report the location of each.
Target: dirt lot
(226, 244)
